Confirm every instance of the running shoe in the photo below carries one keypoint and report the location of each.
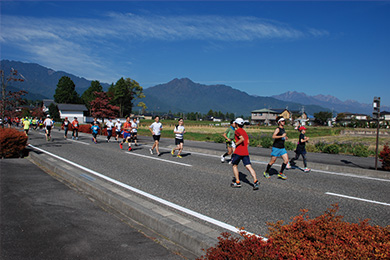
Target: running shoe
(130, 149)
(173, 152)
(288, 166)
(266, 174)
(151, 151)
(72, 138)
(306, 169)
(235, 185)
(77, 138)
(121, 146)
(159, 154)
(282, 176)
(230, 162)
(222, 158)
(256, 185)
(179, 156)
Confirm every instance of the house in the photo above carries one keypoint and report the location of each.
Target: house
(46, 104)
(346, 118)
(385, 115)
(264, 116)
(72, 110)
(284, 112)
(298, 116)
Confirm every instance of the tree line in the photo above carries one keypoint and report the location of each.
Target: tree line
(117, 101)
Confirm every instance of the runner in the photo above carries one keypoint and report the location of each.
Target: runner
(109, 125)
(40, 123)
(118, 126)
(301, 149)
(229, 139)
(155, 129)
(66, 124)
(75, 127)
(126, 134)
(48, 123)
(34, 123)
(241, 153)
(278, 149)
(26, 125)
(179, 131)
(95, 131)
(134, 131)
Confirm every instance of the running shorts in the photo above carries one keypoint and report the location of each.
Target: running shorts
(126, 135)
(179, 141)
(156, 137)
(237, 158)
(278, 152)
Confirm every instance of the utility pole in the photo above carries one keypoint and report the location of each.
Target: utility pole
(376, 115)
(4, 82)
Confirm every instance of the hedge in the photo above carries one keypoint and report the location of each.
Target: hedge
(324, 237)
(12, 143)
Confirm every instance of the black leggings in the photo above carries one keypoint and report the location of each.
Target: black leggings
(296, 158)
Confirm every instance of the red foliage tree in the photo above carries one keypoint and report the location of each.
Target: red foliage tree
(384, 156)
(38, 112)
(101, 107)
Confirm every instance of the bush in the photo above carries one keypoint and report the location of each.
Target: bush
(320, 146)
(266, 141)
(360, 150)
(219, 139)
(289, 146)
(12, 142)
(331, 148)
(324, 237)
(384, 156)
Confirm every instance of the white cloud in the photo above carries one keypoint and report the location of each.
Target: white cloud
(78, 44)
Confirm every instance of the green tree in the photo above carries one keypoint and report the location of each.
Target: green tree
(88, 95)
(54, 112)
(124, 93)
(322, 117)
(65, 92)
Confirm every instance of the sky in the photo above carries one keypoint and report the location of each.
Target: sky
(264, 48)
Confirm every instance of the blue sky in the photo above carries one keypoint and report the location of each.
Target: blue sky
(260, 47)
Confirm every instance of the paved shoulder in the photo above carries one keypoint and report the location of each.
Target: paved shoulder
(42, 218)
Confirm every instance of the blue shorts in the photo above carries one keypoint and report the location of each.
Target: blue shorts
(126, 135)
(237, 158)
(278, 152)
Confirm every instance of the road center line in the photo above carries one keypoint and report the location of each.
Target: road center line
(355, 198)
(159, 159)
(150, 196)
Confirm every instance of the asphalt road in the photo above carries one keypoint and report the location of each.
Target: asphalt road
(200, 182)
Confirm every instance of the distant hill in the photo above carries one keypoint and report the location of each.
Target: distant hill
(41, 82)
(329, 102)
(184, 95)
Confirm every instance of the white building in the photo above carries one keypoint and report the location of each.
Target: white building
(72, 110)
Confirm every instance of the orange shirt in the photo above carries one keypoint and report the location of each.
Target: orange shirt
(127, 127)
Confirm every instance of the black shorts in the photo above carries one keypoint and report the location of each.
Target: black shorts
(179, 141)
(48, 128)
(94, 135)
(134, 136)
(156, 137)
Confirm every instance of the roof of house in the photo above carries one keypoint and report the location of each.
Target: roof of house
(264, 110)
(47, 102)
(72, 107)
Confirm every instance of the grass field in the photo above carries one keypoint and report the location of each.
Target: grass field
(212, 131)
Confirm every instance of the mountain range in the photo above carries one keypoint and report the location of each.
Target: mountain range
(329, 102)
(183, 95)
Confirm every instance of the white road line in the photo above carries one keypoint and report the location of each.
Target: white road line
(355, 198)
(158, 159)
(152, 197)
(77, 141)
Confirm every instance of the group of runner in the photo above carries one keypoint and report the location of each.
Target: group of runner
(237, 143)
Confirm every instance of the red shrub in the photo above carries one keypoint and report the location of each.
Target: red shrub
(384, 156)
(324, 237)
(12, 142)
(85, 129)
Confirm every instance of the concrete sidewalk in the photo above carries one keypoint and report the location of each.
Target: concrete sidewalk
(43, 218)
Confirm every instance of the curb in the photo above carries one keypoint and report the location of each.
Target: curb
(189, 236)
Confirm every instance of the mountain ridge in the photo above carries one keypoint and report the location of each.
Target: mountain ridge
(328, 101)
